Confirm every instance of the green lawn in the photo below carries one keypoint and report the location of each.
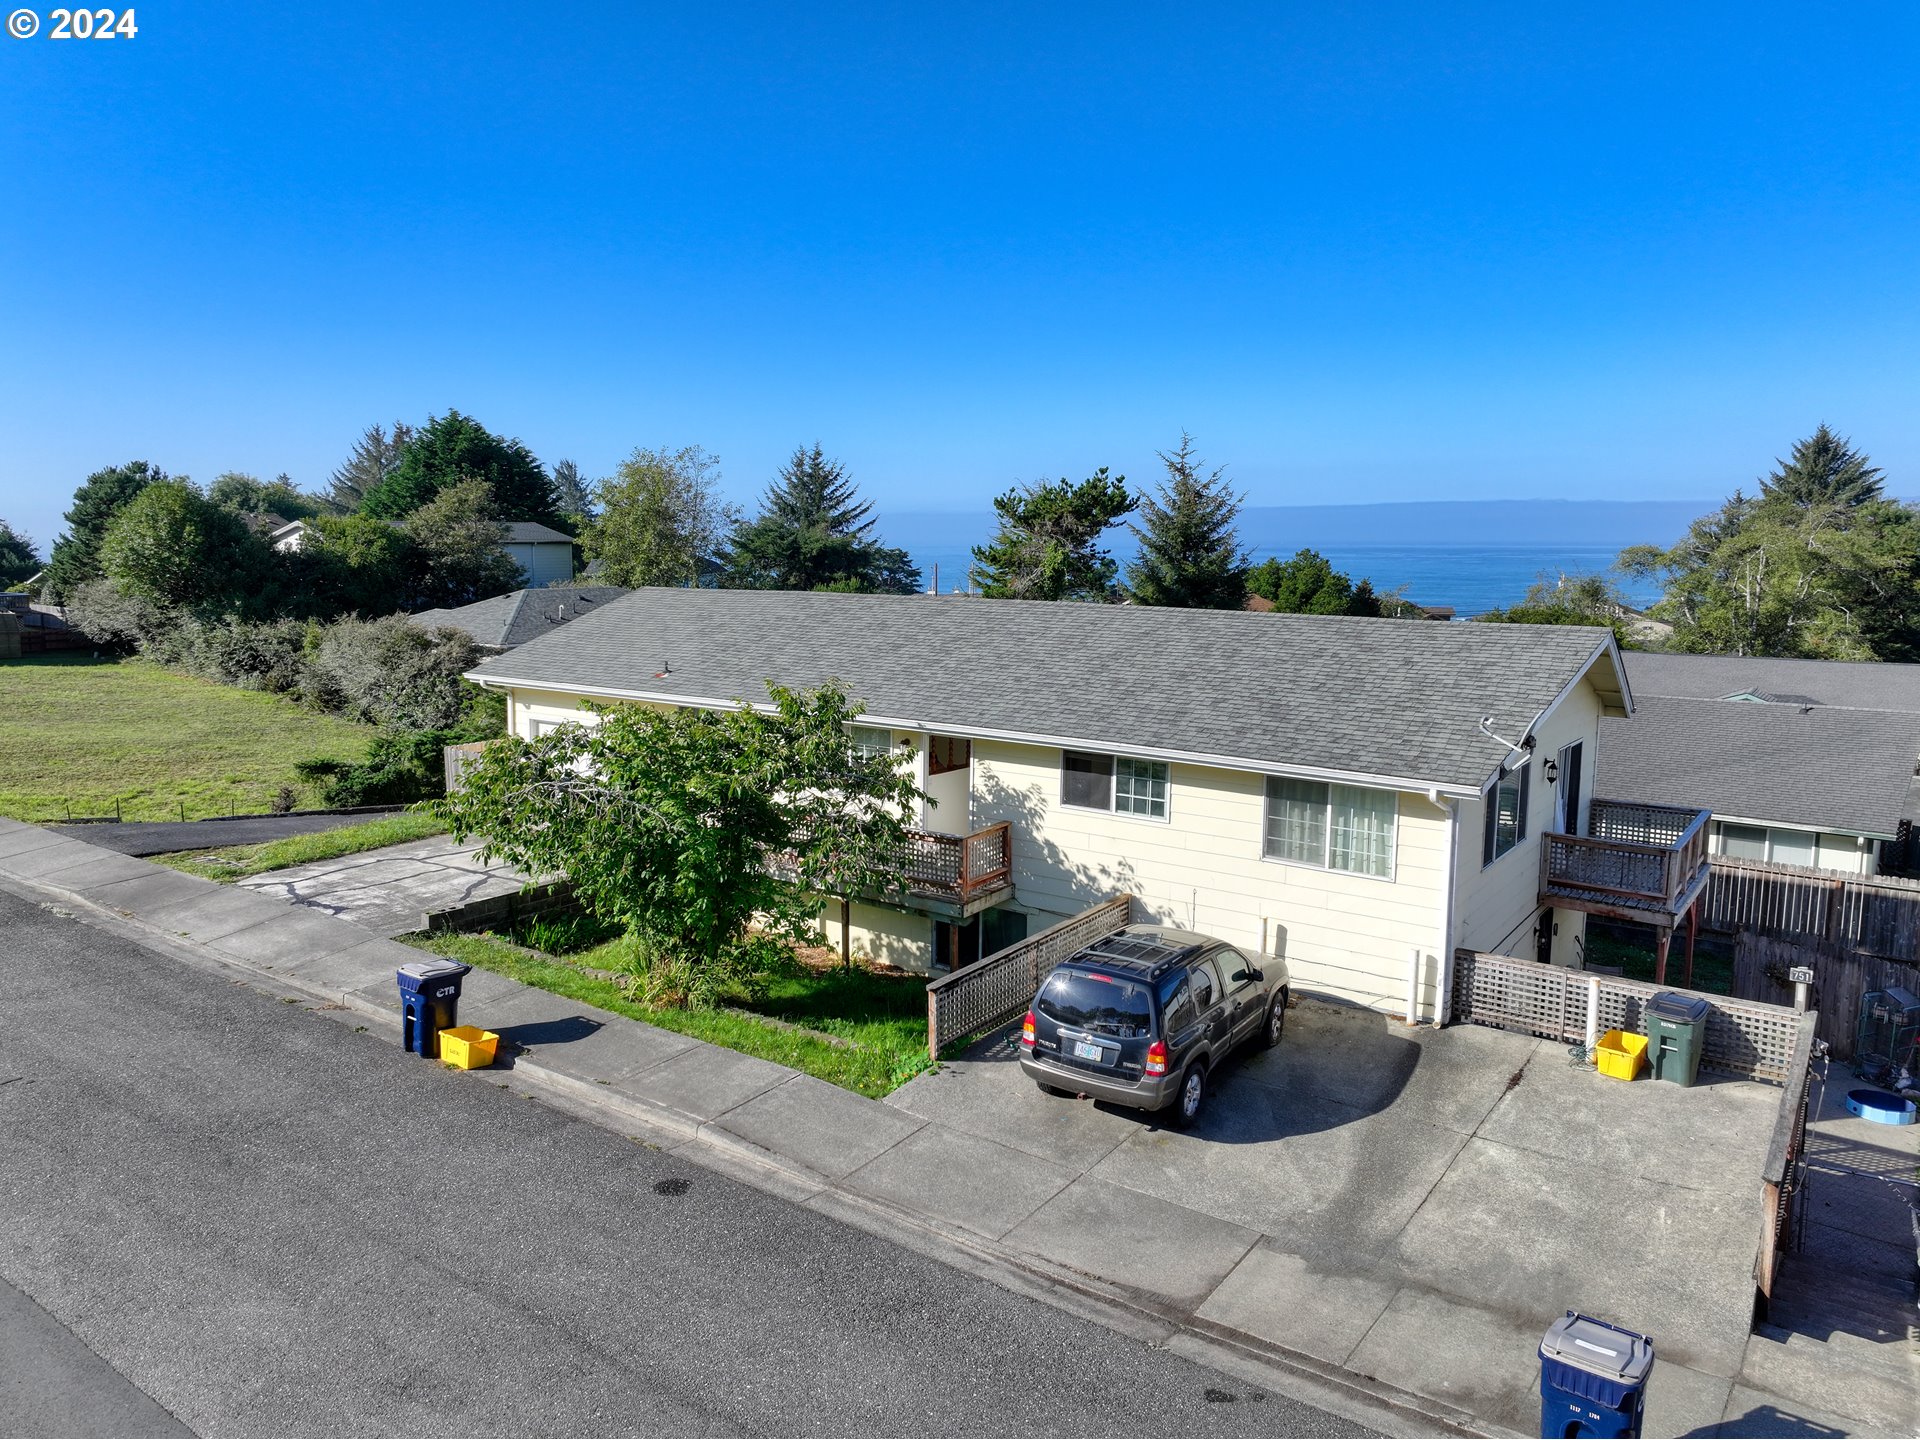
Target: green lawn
(1633, 952)
(83, 733)
(880, 1020)
(237, 861)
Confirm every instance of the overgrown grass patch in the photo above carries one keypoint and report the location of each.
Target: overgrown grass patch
(235, 862)
(877, 1024)
(92, 735)
(1631, 947)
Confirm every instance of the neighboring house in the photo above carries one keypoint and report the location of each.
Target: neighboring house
(504, 621)
(545, 556)
(288, 535)
(1311, 786)
(1802, 762)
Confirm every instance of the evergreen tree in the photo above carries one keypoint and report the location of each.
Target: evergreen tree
(262, 500)
(101, 496)
(1190, 553)
(573, 493)
(1824, 473)
(814, 532)
(18, 559)
(1309, 585)
(1047, 546)
(454, 447)
(375, 456)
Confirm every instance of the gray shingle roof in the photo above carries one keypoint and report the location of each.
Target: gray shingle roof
(1823, 765)
(528, 532)
(1863, 685)
(1393, 698)
(504, 621)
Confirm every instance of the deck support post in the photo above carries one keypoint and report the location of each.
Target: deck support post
(1693, 931)
(1663, 940)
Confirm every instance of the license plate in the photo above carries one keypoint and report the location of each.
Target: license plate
(1087, 1050)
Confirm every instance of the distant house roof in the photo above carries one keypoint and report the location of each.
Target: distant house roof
(1825, 766)
(1332, 696)
(1862, 685)
(528, 532)
(504, 621)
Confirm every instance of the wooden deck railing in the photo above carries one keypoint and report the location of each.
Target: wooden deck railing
(1650, 858)
(957, 867)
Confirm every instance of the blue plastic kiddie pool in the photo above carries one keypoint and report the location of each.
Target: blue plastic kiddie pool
(1882, 1107)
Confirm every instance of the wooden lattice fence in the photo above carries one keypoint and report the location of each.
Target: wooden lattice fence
(985, 995)
(1744, 1037)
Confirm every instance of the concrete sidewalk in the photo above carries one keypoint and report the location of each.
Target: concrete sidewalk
(1144, 1258)
(390, 891)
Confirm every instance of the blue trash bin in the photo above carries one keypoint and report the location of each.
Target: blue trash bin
(1593, 1378)
(429, 1003)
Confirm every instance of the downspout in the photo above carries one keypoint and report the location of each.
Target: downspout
(1450, 850)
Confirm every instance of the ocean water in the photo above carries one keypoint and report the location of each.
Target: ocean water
(1471, 578)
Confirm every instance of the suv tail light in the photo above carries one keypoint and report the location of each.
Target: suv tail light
(1026, 1031)
(1157, 1058)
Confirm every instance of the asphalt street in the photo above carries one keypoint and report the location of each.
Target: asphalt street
(222, 1211)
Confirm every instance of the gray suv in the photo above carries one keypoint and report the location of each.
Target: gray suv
(1141, 1017)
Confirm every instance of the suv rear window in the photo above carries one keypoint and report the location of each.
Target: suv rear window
(1102, 1004)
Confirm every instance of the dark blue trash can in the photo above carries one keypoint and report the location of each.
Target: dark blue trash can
(1593, 1378)
(429, 1003)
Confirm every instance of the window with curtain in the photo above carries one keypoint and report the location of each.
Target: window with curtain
(1334, 827)
(872, 741)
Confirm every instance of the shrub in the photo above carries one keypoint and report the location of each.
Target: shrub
(393, 673)
(401, 766)
(102, 611)
(268, 656)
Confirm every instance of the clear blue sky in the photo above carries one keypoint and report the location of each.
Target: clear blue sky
(1362, 252)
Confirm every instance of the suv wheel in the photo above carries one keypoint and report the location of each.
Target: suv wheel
(1192, 1098)
(1276, 1022)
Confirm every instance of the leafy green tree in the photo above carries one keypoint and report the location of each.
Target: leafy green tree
(173, 546)
(101, 496)
(1309, 585)
(814, 532)
(686, 826)
(1190, 553)
(451, 448)
(662, 521)
(456, 538)
(392, 672)
(1581, 599)
(18, 559)
(263, 500)
(354, 564)
(376, 455)
(1819, 564)
(1047, 546)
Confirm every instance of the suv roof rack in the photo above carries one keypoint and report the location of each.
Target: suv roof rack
(1146, 951)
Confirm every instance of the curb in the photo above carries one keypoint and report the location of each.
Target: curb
(1371, 1402)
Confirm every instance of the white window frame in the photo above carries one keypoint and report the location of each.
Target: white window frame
(1521, 776)
(1112, 805)
(1325, 864)
(1165, 782)
(865, 744)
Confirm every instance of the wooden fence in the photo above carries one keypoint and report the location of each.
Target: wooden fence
(1874, 913)
(1780, 1179)
(985, 995)
(1840, 978)
(1744, 1037)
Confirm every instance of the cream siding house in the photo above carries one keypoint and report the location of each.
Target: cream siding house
(1310, 787)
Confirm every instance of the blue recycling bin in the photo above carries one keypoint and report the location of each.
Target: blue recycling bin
(1593, 1378)
(429, 1003)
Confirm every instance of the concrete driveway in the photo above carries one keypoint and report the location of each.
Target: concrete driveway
(1416, 1206)
(389, 891)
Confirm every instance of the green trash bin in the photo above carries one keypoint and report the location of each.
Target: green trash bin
(1676, 1033)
